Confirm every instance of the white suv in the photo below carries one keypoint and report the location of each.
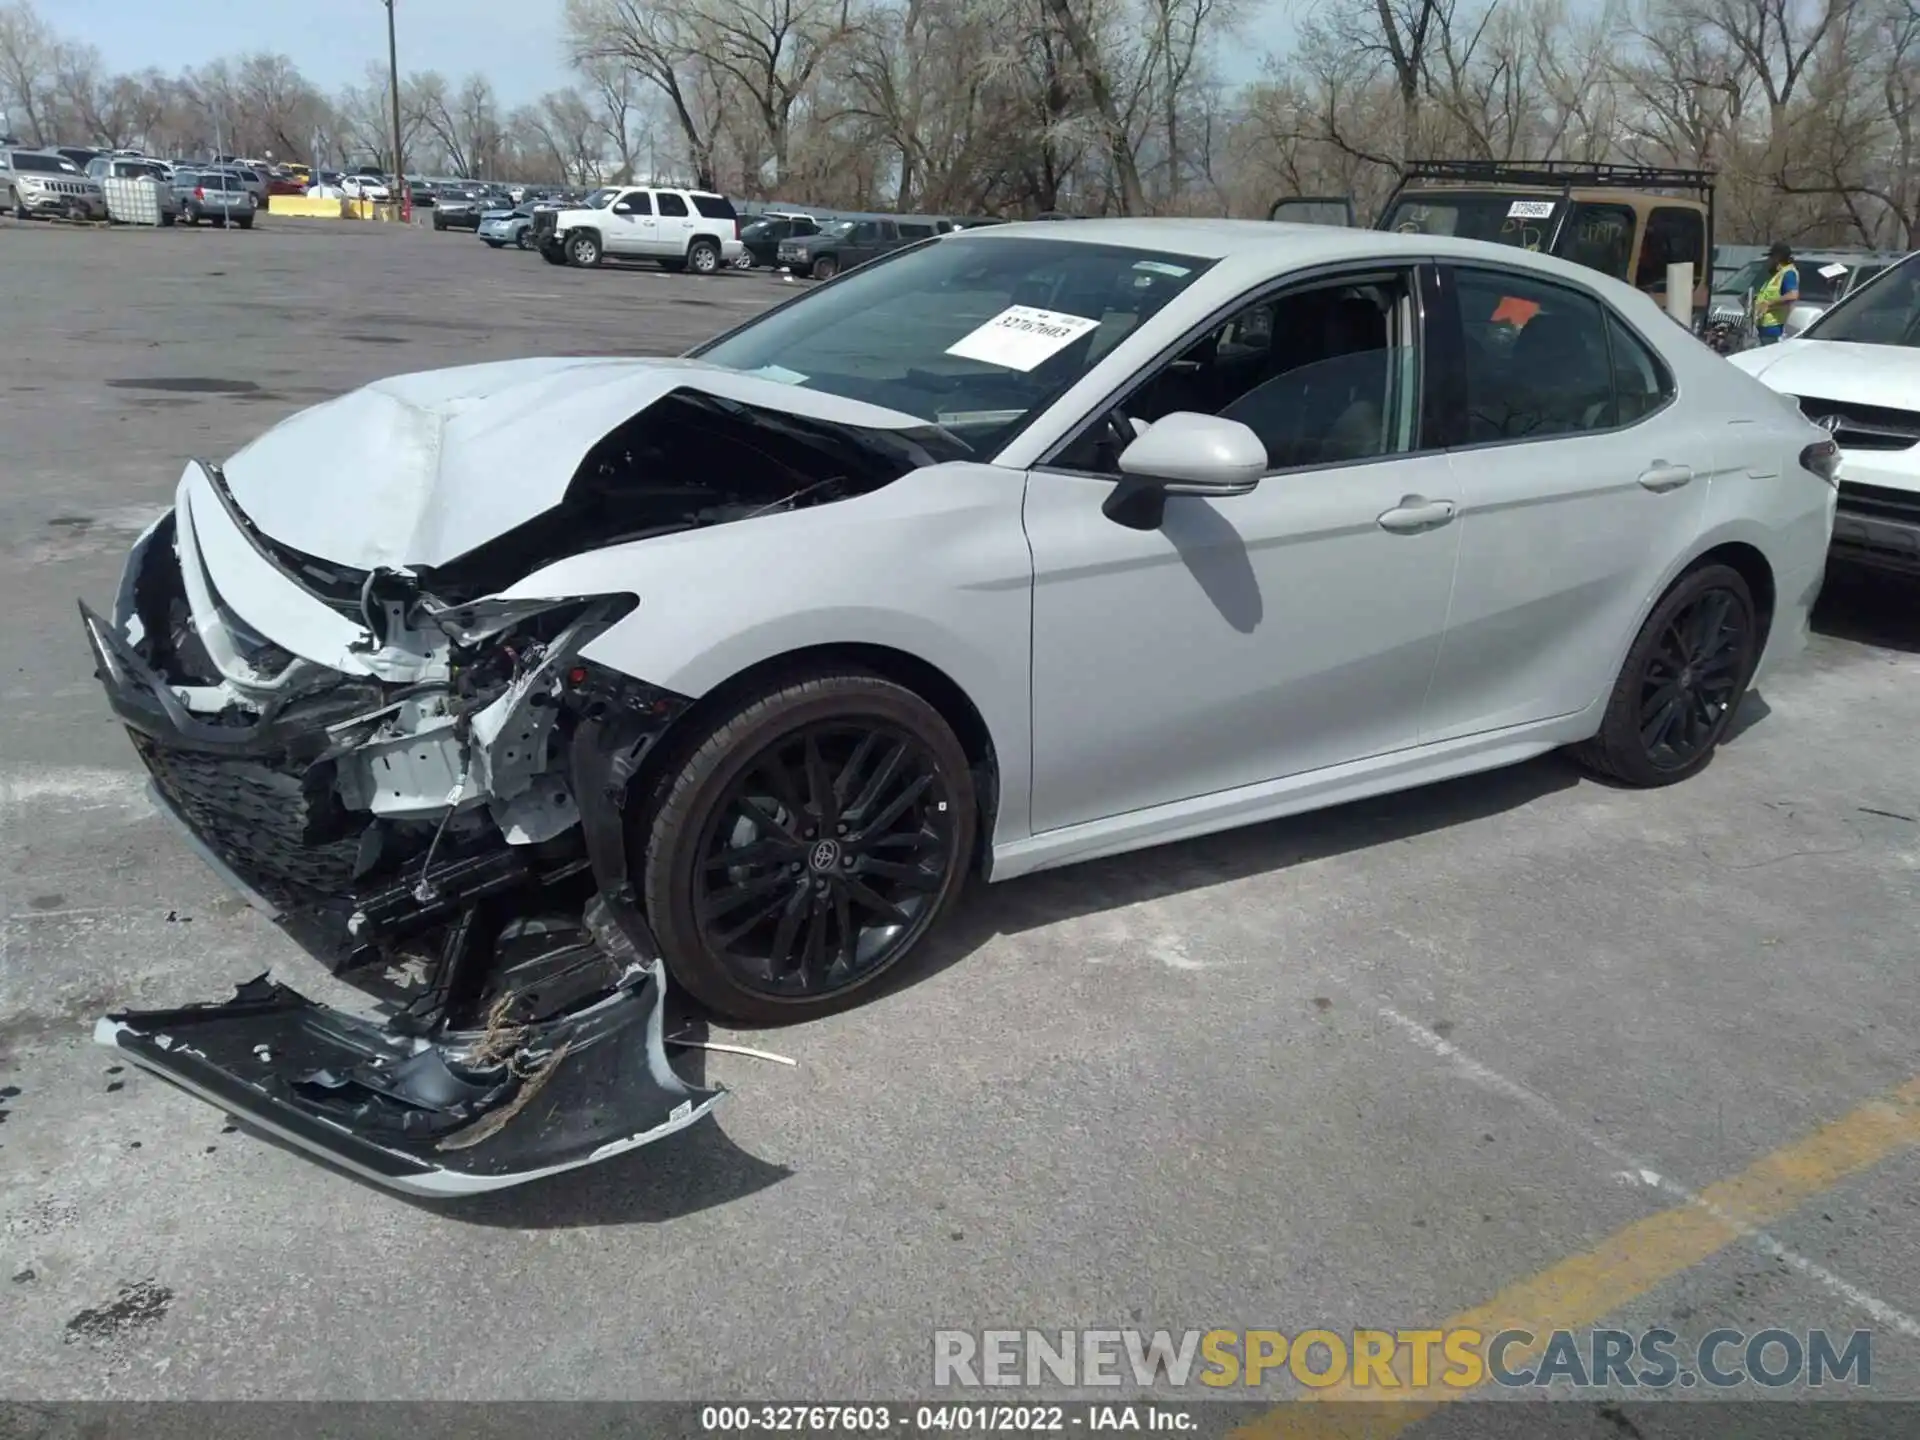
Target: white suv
(682, 229)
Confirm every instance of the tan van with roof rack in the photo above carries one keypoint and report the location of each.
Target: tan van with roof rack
(1627, 221)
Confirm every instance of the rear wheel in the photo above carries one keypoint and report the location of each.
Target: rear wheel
(825, 268)
(806, 845)
(703, 257)
(1682, 683)
(245, 224)
(584, 250)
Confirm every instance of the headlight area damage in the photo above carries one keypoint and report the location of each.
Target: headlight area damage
(453, 813)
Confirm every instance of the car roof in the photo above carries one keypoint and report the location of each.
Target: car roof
(1249, 249)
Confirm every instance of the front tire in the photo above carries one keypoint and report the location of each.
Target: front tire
(802, 849)
(522, 242)
(1682, 683)
(825, 268)
(584, 251)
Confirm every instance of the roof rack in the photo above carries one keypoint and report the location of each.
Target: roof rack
(1560, 174)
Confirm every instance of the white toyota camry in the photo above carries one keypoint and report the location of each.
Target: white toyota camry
(1024, 545)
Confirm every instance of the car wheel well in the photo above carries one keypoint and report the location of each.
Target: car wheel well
(1755, 570)
(926, 680)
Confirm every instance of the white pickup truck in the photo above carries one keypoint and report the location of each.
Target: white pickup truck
(681, 229)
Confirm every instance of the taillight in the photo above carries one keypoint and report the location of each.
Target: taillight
(1822, 458)
(199, 192)
(736, 227)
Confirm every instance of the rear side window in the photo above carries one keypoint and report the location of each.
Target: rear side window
(714, 207)
(909, 231)
(1537, 359)
(1641, 382)
(1675, 236)
(671, 204)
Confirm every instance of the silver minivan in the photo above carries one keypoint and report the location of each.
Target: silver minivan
(38, 182)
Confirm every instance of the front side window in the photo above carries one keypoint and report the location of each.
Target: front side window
(1537, 361)
(1885, 312)
(638, 202)
(671, 204)
(865, 233)
(1322, 375)
(975, 334)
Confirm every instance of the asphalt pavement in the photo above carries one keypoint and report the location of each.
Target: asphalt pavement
(1402, 1061)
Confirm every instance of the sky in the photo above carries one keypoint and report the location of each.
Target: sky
(515, 43)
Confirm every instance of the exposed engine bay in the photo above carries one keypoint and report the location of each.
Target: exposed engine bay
(428, 787)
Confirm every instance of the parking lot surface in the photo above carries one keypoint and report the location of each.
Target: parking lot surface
(1408, 1060)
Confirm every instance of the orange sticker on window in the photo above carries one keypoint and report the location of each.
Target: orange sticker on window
(1514, 311)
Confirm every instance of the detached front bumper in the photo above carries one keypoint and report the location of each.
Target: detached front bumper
(463, 1114)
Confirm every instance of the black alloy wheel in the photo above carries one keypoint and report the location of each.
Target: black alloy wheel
(1682, 684)
(807, 846)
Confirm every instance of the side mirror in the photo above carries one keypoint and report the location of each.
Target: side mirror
(623, 208)
(1183, 454)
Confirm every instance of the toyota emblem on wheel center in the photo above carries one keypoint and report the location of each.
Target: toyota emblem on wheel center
(826, 855)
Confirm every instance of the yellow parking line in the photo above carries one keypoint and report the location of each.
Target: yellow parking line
(1584, 1289)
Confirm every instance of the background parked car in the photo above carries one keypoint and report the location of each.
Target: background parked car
(844, 244)
(682, 229)
(510, 227)
(365, 187)
(762, 236)
(43, 182)
(461, 208)
(126, 167)
(219, 197)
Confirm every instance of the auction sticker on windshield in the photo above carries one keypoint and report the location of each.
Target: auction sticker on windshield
(1020, 337)
(1530, 210)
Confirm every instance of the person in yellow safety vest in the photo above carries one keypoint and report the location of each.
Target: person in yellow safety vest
(1777, 296)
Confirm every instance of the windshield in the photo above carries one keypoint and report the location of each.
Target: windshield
(599, 199)
(44, 164)
(1505, 219)
(975, 334)
(757, 230)
(835, 229)
(1886, 311)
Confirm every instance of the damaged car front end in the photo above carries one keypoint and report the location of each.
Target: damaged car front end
(444, 801)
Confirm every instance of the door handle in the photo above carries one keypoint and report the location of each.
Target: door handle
(1415, 513)
(1661, 476)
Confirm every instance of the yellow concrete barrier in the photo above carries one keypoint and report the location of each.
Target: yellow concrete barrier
(309, 208)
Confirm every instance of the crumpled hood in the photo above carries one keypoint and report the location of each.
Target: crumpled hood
(1883, 375)
(419, 469)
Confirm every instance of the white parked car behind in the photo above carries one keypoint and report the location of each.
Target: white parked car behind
(365, 187)
(1856, 373)
(1030, 544)
(693, 230)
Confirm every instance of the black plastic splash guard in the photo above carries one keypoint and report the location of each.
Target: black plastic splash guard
(459, 1115)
